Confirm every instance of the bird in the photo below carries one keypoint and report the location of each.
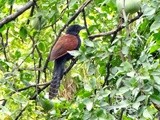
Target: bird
(59, 54)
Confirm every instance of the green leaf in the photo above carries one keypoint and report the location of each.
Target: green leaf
(26, 76)
(23, 32)
(125, 50)
(122, 90)
(154, 48)
(5, 110)
(41, 46)
(4, 65)
(148, 11)
(89, 43)
(18, 98)
(17, 54)
(126, 66)
(155, 25)
(136, 105)
(122, 104)
(91, 69)
(155, 99)
(88, 103)
(157, 79)
(72, 2)
(87, 87)
(74, 53)
(46, 104)
(10, 2)
(141, 98)
(146, 114)
(102, 94)
(131, 74)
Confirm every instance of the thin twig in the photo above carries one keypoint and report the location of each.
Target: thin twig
(6, 43)
(108, 66)
(39, 91)
(121, 114)
(39, 64)
(71, 65)
(85, 22)
(119, 28)
(30, 86)
(21, 112)
(31, 13)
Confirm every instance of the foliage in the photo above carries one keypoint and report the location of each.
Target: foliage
(129, 62)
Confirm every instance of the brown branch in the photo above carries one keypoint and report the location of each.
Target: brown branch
(85, 22)
(31, 13)
(30, 86)
(39, 91)
(15, 15)
(80, 9)
(121, 114)
(21, 112)
(6, 43)
(70, 66)
(40, 63)
(119, 28)
(4, 47)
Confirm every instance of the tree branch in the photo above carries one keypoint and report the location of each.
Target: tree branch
(21, 112)
(119, 28)
(15, 15)
(71, 65)
(39, 91)
(85, 22)
(25, 88)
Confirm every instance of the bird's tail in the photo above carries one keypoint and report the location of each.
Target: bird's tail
(57, 76)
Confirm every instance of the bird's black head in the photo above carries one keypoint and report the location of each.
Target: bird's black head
(74, 29)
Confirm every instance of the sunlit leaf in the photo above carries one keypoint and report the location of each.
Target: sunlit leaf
(156, 24)
(146, 114)
(89, 104)
(72, 2)
(89, 43)
(148, 11)
(74, 53)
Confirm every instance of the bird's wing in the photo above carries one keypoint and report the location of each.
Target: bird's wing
(65, 43)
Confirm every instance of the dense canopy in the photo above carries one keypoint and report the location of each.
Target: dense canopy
(115, 74)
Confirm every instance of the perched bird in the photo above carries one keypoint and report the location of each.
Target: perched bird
(68, 42)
